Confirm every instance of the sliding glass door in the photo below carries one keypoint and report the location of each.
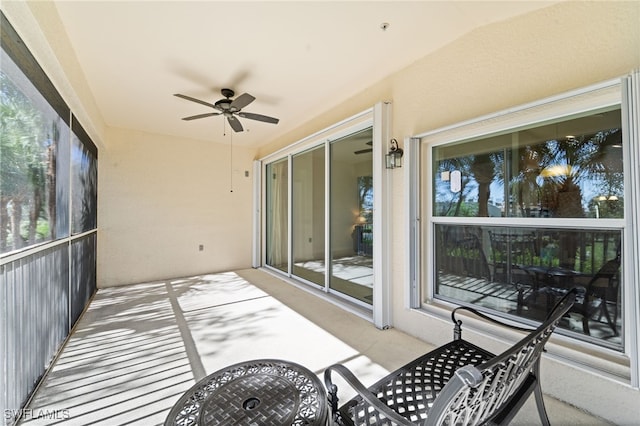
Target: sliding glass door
(351, 219)
(308, 217)
(325, 215)
(277, 198)
(319, 215)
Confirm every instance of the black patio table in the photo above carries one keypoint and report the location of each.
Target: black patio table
(257, 392)
(559, 280)
(563, 277)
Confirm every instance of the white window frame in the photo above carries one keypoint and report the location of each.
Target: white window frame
(626, 93)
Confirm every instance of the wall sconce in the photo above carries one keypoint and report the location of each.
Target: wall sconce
(394, 157)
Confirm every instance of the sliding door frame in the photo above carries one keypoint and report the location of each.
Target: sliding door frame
(378, 118)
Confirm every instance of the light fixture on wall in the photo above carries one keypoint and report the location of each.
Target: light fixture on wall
(394, 157)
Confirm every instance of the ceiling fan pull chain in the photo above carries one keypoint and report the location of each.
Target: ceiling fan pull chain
(231, 163)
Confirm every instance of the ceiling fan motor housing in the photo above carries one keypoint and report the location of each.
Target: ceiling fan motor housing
(223, 105)
(227, 93)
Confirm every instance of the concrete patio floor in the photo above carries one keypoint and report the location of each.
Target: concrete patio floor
(139, 347)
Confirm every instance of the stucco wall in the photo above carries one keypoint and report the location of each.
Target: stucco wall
(161, 198)
(554, 50)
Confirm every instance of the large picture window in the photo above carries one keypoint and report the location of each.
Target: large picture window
(543, 209)
(571, 168)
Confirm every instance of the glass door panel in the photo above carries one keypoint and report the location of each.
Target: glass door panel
(277, 176)
(308, 215)
(351, 218)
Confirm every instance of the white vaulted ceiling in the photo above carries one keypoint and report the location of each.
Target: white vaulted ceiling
(297, 58)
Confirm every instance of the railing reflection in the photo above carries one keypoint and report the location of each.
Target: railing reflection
(521, 271)
(363, 235)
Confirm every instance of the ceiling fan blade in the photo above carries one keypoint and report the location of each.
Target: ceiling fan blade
(189, 98)
(362, 151)
(242, 101)
(235, 123)
(195, 117)
(258, 117)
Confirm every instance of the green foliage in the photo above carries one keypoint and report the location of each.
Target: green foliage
(43, 229)
(23, 165)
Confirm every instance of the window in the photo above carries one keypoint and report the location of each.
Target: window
(569, 169)
(528, 204)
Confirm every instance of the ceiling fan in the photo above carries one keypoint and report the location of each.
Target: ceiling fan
(230, 108)
(366, 150)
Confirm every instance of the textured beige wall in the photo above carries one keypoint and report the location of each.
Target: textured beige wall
(161, 198)
(525, 59)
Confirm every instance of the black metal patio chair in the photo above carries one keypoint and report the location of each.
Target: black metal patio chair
(601, 291)
(456, 384)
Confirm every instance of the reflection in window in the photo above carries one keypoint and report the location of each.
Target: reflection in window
(570, 169)
(277, 177)
(364, 226)
(308, 215)
(365, 199)
(522, 271)
(351, 216)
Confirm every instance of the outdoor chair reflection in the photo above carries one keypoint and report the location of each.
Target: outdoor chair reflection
(527, 270)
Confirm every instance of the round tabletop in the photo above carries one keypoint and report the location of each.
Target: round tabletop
(555, 271)
(257, 392)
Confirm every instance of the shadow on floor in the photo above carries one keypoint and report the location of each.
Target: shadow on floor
(138, 348)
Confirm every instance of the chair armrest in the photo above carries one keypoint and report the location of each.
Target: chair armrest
(362, 391)
(457, 329)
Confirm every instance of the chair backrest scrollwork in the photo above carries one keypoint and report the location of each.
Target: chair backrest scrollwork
(475, 395)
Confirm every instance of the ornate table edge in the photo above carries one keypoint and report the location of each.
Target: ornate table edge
(187, 409)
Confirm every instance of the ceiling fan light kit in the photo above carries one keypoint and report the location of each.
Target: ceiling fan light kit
(229, 108)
